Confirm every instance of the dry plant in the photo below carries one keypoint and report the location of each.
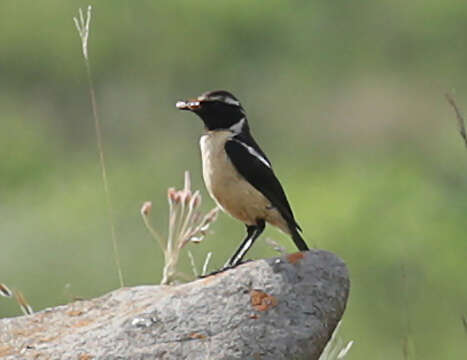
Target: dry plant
(186, 225)
(83, 26)
(408, 346)
(460, 118)
(19, 297)
(5, 291)
(335, 348)
(22, 302)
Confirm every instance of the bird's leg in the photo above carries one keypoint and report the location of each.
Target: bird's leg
(243, 248)
(253, 231)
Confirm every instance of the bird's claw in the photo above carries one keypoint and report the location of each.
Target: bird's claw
(224, 268)
(215, 272)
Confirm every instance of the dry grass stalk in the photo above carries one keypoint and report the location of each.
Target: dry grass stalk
(22, 302)
(186, 225)
(5, 291)
(335, 348)
(192, 263)
(83, 26)
(206, 263)
(460, 117)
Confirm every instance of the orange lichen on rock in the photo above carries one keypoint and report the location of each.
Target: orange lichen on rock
(29, 331)
(49, 339)
(82, 323)
(74, 313)
(86, 357)
(197, 336)
(6, 350)
(262, 301)
(295, 257)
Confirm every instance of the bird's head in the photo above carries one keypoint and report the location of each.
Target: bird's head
(218, 109)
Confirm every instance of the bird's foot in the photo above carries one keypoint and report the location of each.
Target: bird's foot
(215, 272)
(224, 268)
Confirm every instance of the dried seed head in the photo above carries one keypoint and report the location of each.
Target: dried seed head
(195, 200)
(83, 28)
(185, 196)
(5, 291)
(146, 208)
(186, 224)
(210, 216)
(171, 194)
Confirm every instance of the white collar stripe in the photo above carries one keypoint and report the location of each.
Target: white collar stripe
(237, 127)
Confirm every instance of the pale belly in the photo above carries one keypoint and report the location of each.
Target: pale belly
(232, 193)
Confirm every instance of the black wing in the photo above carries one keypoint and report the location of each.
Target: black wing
(246, 138)
(255, 168)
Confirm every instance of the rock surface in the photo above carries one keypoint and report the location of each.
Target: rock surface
(280, 308)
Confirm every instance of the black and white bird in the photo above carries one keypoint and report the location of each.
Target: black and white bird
(237, 173)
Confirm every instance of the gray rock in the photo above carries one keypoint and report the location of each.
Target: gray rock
(280, 308)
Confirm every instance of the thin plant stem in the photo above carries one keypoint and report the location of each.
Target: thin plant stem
(5, 291)
(104, 174)
(23, 303)
(189, 218)
(83, 26)
(206, 263)
(180, 218)
(193, 264)
(154, 233)
(407, 347)
(172, 215)
(183, 201)
(460, 118)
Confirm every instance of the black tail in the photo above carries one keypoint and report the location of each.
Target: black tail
(298, 240)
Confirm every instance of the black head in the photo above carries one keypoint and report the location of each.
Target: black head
(218, 109)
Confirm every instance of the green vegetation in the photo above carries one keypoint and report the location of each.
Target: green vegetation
(347, 98)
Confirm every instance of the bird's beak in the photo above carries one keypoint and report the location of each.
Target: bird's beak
(191, 104)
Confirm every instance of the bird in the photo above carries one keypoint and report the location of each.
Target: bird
(237, 173)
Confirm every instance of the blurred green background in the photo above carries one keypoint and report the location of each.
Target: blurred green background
(346, 97)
